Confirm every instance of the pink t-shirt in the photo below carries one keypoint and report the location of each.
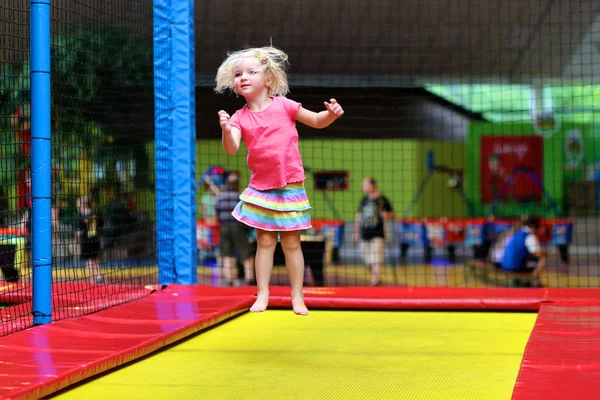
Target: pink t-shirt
(272, 141)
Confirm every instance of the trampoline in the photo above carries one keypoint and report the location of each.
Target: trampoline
(469, 114)
(333, 355)
(357, 342)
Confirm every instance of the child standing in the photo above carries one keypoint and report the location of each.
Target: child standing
(89, 228)
(275, 200)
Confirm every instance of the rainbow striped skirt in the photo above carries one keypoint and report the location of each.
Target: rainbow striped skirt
(284, 209)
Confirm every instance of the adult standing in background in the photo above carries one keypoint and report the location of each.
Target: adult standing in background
(233, 234)
(369, 225)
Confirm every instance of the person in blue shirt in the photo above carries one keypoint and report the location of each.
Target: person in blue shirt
(523, 252)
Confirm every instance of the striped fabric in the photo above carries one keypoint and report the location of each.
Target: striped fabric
(285, 209)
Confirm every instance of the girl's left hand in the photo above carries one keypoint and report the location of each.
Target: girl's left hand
(334, 108)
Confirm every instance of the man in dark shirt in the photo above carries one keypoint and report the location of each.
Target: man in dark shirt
(233, 234)
(369, 226)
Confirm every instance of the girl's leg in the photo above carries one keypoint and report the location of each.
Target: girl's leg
(294, 261)
(266, 242)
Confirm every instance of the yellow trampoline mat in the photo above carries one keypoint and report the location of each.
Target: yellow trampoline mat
(332, 355)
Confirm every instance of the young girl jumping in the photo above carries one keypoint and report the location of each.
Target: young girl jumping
(275, 201)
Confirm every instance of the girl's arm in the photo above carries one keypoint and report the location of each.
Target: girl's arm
(321, 119)
(231, 135)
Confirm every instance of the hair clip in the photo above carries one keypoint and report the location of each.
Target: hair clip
(263, 59)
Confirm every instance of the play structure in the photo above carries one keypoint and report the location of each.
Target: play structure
(455, 178)
(534, 176)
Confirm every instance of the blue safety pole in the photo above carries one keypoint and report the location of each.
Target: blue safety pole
(163, 142)
(184, 140)
(175, 141)
(41, 166)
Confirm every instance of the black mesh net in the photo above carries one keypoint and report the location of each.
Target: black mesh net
(471, 118)
(102, 88)
(463, 120)
(102, 131)
(15, 292)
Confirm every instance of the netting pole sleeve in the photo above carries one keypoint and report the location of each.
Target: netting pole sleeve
(163, 126)
(184, 141)
(41, 166)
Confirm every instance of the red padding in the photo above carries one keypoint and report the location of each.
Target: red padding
(422, 298)
(73, 293)
(51, 357)
(69, 299)
(9, 231)
(12, 293)
(561, 359)
(389, 297)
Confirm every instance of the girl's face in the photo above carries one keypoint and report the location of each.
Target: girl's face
(249, 78)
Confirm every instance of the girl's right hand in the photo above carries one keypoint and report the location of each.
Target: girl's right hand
(224, 121)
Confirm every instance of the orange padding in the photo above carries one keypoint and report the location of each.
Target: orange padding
(12, 231)
(51, 357)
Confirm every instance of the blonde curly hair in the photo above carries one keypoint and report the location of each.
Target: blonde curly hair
(274, 63)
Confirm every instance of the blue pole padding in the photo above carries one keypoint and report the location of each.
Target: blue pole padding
(163, 129)
(41, 163)
(184, 141)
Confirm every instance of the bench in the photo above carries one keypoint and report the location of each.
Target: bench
(489, 273)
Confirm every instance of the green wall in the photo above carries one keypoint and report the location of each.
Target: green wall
(397, 165)
(400, 166)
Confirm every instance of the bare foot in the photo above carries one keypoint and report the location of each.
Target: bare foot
(298, 305)
(261, 303)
